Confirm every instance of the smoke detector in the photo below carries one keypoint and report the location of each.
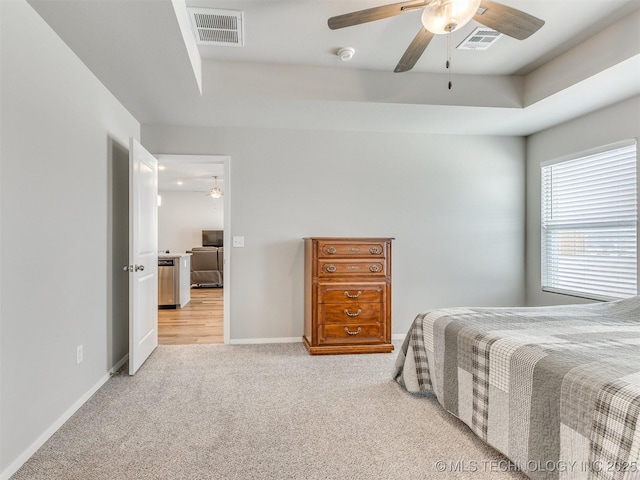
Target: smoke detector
(217, 27)
(346, 53)
(480, 39)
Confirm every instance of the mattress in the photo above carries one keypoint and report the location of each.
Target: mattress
(555, 389)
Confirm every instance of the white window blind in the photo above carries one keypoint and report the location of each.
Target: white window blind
(589, 225)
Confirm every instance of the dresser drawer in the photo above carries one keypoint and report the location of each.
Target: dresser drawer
(352, 333)
(350, 249)
(350, 313)
(352, 293)
(334, 267)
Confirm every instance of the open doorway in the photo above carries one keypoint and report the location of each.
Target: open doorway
(193, 231)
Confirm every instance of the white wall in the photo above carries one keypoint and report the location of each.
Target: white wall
(59, 127)
(455, 205)
(183, 216)
(609, 125)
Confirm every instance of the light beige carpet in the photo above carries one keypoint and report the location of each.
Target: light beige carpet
(262, 412)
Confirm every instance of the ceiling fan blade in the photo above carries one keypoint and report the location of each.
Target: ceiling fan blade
(510, 21)
(414, 51)
(372, 14)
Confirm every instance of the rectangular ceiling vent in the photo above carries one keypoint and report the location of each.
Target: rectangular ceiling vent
(480, 39)
(221, 28)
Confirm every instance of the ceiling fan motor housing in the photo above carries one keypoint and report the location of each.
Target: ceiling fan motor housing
(446, 16)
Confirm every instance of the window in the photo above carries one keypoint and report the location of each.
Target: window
(589, 224)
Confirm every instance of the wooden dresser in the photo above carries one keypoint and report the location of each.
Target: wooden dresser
(347, 295)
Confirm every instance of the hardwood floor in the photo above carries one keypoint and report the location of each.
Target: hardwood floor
(200, 321)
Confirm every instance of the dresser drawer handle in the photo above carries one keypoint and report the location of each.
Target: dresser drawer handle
(353, 333)
(331, 250)
(331, 268)
(349, 314)
(374, 268)
(375, 250)
(349, 295)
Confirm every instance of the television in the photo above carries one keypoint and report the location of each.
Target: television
(212, 238)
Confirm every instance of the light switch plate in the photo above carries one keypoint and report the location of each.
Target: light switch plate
(238, 241)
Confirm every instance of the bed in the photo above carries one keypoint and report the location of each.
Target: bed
(555, 389)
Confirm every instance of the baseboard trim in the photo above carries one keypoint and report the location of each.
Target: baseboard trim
(249, 341)
(33, 448)
(119, 365)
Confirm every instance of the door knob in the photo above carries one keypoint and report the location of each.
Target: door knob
(139, 268)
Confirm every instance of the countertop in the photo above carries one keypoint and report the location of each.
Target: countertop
(173, 255)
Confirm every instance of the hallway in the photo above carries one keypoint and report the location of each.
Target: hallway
(200, 321)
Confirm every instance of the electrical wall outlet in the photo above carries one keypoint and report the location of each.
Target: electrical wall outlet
(79, 354)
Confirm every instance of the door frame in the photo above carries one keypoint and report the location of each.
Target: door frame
(225, 160)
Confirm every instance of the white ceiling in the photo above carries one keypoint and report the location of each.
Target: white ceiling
(296, 32)
(287, 75)
(188, 176)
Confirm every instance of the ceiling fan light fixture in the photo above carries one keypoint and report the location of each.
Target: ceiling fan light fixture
(446, 16)
(215, 192)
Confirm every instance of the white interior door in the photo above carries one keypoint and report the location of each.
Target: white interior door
(143, 255)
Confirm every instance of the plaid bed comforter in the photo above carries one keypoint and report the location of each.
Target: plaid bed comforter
(555, 389)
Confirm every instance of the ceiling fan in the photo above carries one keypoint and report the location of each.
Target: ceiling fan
(215, 192)
(444, 17)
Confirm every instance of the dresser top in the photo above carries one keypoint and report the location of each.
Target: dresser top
(351, 239)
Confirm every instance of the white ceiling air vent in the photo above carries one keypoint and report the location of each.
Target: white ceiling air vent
(217, 27)
(480, 39)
